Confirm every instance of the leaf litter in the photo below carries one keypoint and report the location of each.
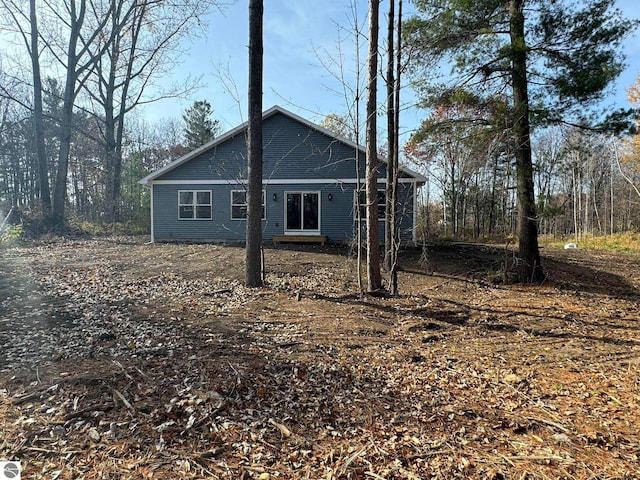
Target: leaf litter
(127, 360)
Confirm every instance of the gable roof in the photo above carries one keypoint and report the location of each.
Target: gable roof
(240, 128)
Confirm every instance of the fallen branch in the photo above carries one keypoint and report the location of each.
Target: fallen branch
(549, 422)
(283, 429)
(97, 408)
(33, 396)
(352, 458)
(124, 400)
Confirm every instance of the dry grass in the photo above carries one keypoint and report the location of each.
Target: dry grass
(620, 242)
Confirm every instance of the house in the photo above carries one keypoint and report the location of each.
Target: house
(309, 187)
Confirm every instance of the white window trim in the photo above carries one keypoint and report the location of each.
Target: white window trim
(302, 231)
(194, 204)
(264, 204)
(364, 217)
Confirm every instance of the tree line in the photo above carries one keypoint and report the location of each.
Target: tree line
(72, 76)
(497, 81)
(586, 184)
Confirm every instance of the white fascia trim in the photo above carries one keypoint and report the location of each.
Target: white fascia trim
(278, 181)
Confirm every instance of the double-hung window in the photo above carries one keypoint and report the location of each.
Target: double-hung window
(239, 204)
(381, 202)
(194, 205)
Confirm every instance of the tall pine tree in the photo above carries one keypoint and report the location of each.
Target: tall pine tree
(553, 58)
(199, 127)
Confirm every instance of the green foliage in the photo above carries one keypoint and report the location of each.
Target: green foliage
(572, 53)
(135, 198)
(200, 128)
(11, 235)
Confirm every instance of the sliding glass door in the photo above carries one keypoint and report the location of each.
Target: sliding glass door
(303, 213)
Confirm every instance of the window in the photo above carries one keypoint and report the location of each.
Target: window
(194, 205)
(239, 204)
(382, 204)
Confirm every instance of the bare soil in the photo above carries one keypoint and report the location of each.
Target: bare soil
(126, 360)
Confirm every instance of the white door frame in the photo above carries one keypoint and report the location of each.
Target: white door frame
(302, 231)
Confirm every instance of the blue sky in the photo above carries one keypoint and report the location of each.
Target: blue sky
(298, 37)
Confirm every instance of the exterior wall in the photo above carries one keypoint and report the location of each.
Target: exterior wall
(337, 219)
(293, 151)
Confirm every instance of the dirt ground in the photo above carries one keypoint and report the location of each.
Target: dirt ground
(126, 360)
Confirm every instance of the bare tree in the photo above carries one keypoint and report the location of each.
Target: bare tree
(29, 34)
(348, 126)
(392, 240)
(394, 69)
(111, 51)
(253, 257)
(38, 123)
(374, 277)
(72, 55)
(141, 43)
(391, 140)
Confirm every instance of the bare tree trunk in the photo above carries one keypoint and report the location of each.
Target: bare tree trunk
(581, 225)
(530, 265)
(38, 124)
(596, 212)
(374, 277)
(111, 159)
(396, 157)
(253, 266)
(576, 228)
(76, 21)
(611, 229)
(131, 24)
(587, 199)
(391, 140)
(60, 191)
(356, 135)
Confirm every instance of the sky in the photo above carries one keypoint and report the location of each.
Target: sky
(300, 39)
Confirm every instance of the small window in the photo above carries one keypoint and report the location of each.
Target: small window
(239, 204)
(382, 204)
(194, 205)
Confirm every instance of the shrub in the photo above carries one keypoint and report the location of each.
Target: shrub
(11, 234)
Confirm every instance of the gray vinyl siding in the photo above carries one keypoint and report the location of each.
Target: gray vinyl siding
(292, 151)
(337, 219)
(167, 226)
